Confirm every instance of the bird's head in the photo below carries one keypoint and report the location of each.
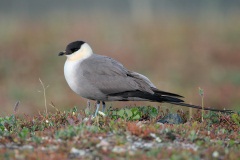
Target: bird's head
(77, 50)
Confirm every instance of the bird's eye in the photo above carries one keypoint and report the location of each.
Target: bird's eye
(74, 50)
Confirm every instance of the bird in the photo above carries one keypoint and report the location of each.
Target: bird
(101, 78)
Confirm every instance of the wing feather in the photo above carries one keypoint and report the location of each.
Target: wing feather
(110, 76)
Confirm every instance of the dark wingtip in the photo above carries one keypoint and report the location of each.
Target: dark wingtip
(164, 93)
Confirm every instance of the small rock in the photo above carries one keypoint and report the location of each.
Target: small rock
(140, 124)
(27, 147)
(85, 119)
(171, 118)
(215, 154)
(12, 146)
(53, 148)
(185, 145)
(45, 138)
(101, 114)
(155, 137)
(138, 144)
(148, 145)
(103, 143)
(117, 149)
(77, 152)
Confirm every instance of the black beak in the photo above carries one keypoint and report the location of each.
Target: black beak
(62, 53)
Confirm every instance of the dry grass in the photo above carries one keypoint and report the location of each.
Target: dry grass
(73, 134)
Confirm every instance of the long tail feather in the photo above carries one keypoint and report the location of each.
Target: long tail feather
(199, 107)
(162, 97)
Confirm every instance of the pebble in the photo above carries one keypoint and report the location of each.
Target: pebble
(103, 143)
(27, 147)
(171, 118)
(215, 154)
(77, 152)
(118, 149)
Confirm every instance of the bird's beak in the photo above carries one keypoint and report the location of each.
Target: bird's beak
(62, 53)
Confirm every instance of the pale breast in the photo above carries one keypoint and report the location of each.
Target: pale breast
(79, 84)
(70, 73)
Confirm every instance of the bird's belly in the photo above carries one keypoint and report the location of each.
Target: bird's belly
(80, 85)
(72, 82)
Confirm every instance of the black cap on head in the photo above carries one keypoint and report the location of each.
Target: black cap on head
(72, 47)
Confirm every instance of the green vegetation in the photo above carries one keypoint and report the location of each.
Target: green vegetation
(120, 133)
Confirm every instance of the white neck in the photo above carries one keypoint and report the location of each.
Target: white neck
(84, 52)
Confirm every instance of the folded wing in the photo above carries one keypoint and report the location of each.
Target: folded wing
(112, 79)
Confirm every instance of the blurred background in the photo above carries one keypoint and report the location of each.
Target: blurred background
(179, 45)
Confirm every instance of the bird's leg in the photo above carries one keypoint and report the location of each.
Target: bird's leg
(98, 105)
(103, 106)
(89, 104)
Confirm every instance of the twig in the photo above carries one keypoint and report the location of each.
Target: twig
(89, 105)
(202, 108)
(201, 93)
(40, 113)
(52, 105)
(190, 112)
(44, 95)
(16, 106)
